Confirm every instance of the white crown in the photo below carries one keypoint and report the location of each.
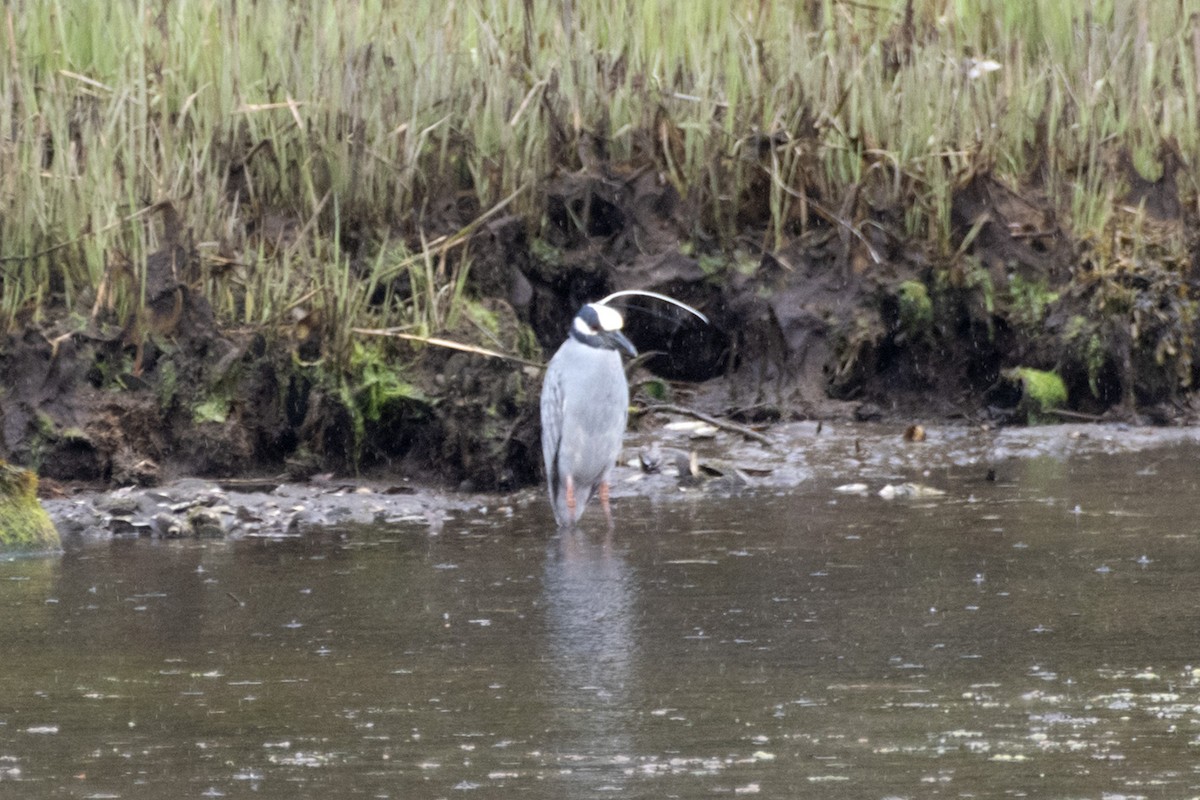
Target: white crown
(610, 319)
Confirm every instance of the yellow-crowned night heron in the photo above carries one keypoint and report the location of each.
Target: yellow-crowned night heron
(585, 403)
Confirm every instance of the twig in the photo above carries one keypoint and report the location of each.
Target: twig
(732, 427)
(1079, 415)
(396, 333)
(442, 244)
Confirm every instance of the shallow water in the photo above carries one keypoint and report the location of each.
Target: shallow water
(1037, 635)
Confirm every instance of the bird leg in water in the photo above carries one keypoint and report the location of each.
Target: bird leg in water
(603, 492)
(570, 499)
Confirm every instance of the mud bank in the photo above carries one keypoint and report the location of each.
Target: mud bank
(850, 318)
(682, 464)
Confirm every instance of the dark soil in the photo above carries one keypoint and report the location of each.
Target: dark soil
(849, 318)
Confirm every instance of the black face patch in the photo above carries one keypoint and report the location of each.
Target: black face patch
(590, 318)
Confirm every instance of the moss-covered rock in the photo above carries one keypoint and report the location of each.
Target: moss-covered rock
(24, 524)
(1041, 392)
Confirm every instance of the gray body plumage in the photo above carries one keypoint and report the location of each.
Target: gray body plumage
(585, 404)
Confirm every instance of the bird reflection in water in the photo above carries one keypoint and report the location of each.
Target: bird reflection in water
(590, 600)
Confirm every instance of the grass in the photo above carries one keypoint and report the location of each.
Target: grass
(277, 132)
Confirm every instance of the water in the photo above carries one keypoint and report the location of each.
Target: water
(1034, 636)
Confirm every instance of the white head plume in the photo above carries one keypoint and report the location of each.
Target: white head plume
(601, 304)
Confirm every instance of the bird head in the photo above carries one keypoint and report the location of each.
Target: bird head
(598, 325)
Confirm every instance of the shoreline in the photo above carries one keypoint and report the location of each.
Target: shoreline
(865, 456)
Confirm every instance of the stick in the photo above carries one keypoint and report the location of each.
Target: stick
(1065, 414)
(732, 427)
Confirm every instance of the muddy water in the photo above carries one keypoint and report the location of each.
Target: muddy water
(1037, 635)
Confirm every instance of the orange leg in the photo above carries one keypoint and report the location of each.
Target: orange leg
(570, 500)
(604, 503)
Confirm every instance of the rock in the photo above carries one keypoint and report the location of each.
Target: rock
(650, 458)
(76, 517)
(868, 412)
(909, 490)
(206, 523)
(119, 503)
(124, 525)
(687, 464)
(24, 524)
(169, 526)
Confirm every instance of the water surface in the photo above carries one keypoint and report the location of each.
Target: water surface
(1037, 635)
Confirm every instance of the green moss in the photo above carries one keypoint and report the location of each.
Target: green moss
(46, 426)
(527, 343)
(656, 389)
(977, 278)
(375, 384)
(1041, 391)
(168, 384)
(482, 316)
(372, 389)
(1029, 301)
(24, 524)
(1086, 345)
(546, 253)
(47, 434)
(712, 264)
(74, 435)
(212, 409)
(916, 310)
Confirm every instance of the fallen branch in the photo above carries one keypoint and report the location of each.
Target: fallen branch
(732, 427)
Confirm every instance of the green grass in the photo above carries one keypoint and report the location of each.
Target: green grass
(321, 118)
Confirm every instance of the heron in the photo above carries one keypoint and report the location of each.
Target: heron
(585, 407)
